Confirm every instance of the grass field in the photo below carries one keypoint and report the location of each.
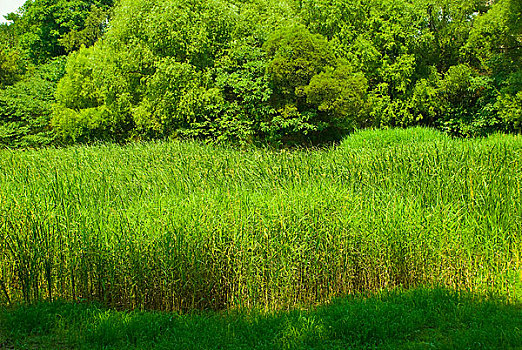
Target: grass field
(184, 226)
(413, 319)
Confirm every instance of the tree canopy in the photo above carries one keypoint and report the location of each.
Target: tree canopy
(291, 71)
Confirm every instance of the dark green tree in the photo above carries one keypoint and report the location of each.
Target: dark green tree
(46, 28)
(26, 107)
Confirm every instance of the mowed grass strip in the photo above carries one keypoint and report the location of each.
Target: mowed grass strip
(413, 319)
(183, 225)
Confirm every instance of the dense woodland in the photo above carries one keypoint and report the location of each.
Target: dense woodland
(257, 71)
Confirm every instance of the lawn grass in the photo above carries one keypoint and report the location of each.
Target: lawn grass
(413, 319)
(179, 226)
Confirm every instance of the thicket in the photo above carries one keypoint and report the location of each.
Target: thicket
(288, 71)
(181, 225)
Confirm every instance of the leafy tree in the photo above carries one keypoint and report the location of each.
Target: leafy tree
(448, 25)
(26, 107)
(94, 26)
(139, 75)
(296, 56)
(318, 95)
(287, 71)
(82, 113)
(465, 96)
(496, 37)
(496, 40)
(237, 106)
(340, 98)
(12, 66)
(44, 26)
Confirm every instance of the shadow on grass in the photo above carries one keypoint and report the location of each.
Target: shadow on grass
(414, 319)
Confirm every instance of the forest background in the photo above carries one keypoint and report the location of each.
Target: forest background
(256, 71)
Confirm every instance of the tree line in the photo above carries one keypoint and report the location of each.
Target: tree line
(257, 71)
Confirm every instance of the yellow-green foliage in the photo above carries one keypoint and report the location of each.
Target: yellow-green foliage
(177, 226)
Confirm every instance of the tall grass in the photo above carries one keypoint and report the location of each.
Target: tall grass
(181, 225)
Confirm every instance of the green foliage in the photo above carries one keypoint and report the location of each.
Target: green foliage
(26, 107)
(147, 76)
(447, 29)
(425, 102)
(296, 56)
(12, 66)
(184, 76)
(409, 53)
(466, 102)
(82, 115)
(92, 29)
(510, 109)
(318, 95)
(237, 108)
(497, 37)
(49, 28)
(340, 98)
(42, 30)
(288, 71)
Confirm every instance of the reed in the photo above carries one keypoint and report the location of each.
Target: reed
(183, 225)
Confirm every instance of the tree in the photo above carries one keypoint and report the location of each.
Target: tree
(289, 71)
(26, 107)
(318, 95)
(11, 64)
(496, 40)
(44, 26)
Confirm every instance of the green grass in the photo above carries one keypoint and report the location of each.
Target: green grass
(184, 226)
(414, 319)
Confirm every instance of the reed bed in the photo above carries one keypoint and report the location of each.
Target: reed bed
(183, 225)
